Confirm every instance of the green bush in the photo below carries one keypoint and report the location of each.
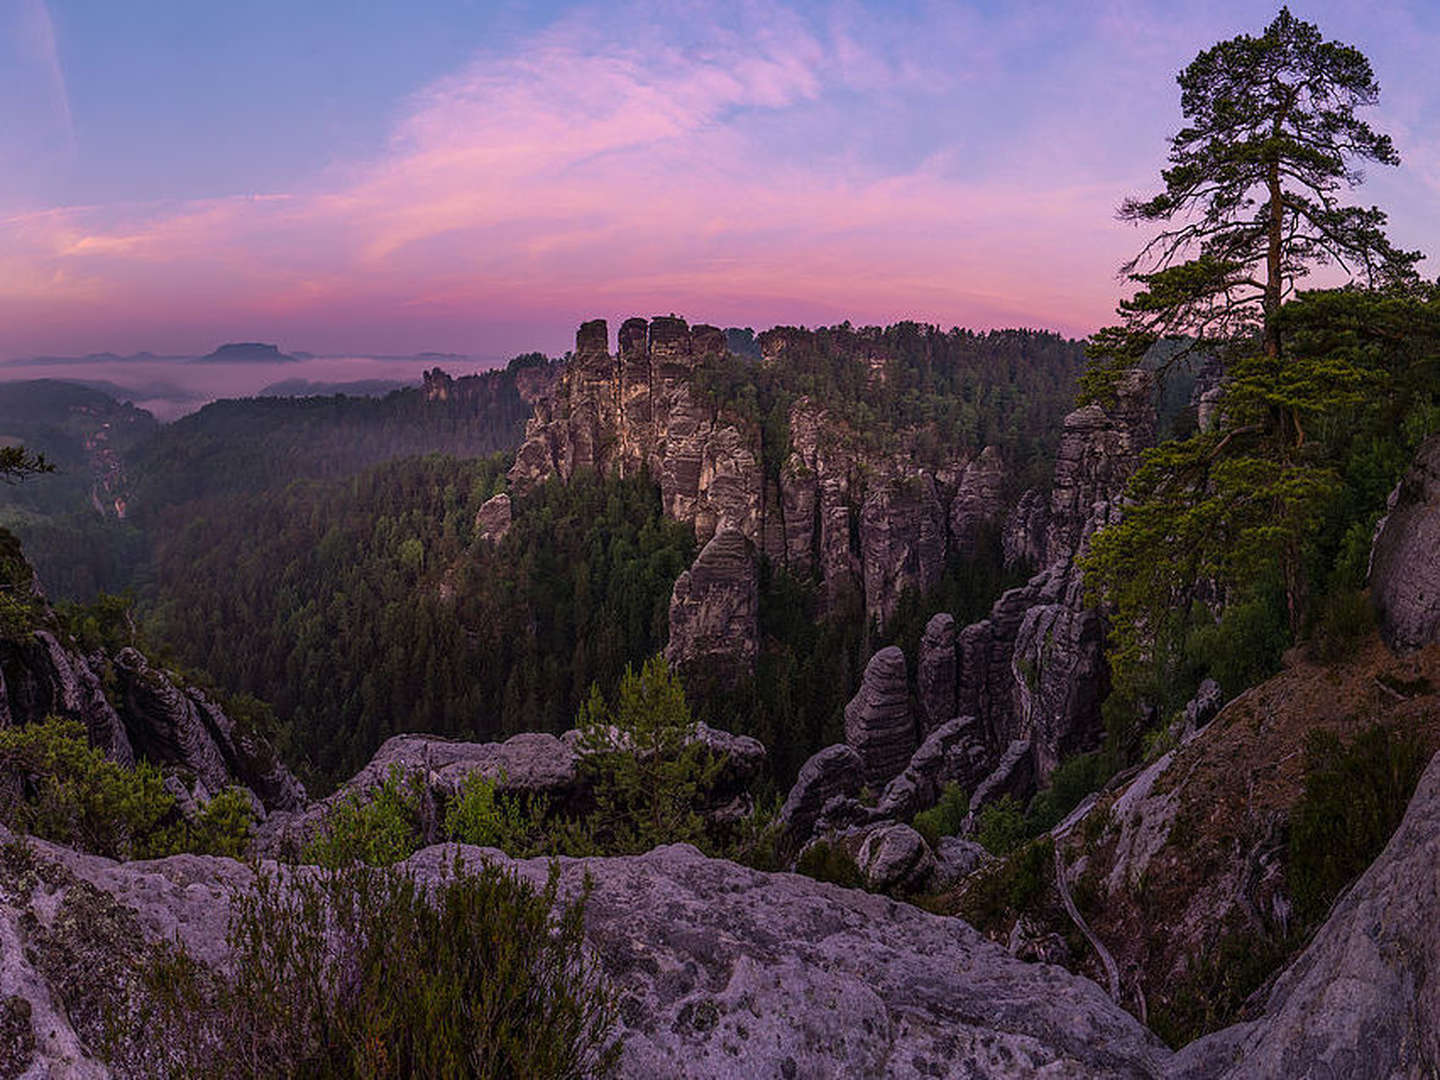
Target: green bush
(1245, 646)
(376, 827)
(1212, 992)
(997, 895)
(366, 972)
(1354, 798)
(650, 776)
(55, 785)
(824, 861)
(1073, 779)
(223, 825)
(1001, 826)
(480, 815)
(946, 817)
(1339, 622)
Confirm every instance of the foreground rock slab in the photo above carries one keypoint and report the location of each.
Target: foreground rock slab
(722, 971)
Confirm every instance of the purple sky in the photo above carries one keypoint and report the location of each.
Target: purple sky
(481, 178)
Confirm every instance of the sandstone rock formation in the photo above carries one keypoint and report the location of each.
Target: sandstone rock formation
(935, 676)
(529, 765)
(878, 723)
(835, 772)
(1405, 558)
(954, 753)
(861, 519)
(40, 677)
(978, 499)
(1023, 537)
(895, 857)
(1034, 670)
(145, 714)
(715, 608)
(902, 541)
(492, 520)
(634, 410)
(786, 978)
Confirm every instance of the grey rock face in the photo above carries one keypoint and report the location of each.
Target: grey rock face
(902, 541)
(836, 771)
(715, 607)
(978, 499)
(936, 675)
(1014, 775)
(1060, 676)
(1362, 1000)
(878, 723)
(722, 972)
(957, 859)
(1099, 449)
(492, 520)
(1023, 537)
(954, 753)
(39, 677)
(895, 857)
(1405, 558)
(168, 724)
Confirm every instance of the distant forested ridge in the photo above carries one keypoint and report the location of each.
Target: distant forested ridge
(124, 482)
(957, 390)
(250, 444)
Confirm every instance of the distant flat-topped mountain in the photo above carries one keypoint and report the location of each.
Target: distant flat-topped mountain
(247, 352)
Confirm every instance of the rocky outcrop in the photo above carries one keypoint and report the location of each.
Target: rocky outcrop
(1405, 557)
(40, 677)
(860, 519)
(529, 766)
(635, 410)
(1099, 449)
(787, 977)
(1013, 775)
(878, 722)
(935, 675)
(183, 727)
(979, 500)
(1022, 539)
(895, 858)
(492, 520)
(139, 712)
(957, 859)
(954, 753)
(836, 772)
(1034, 670)
(715, 608)
(1059, 671)
(1362, 1000)
(902, 541)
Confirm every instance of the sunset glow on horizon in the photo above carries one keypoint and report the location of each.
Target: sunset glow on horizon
(508, 171)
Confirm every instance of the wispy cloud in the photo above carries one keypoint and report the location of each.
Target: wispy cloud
(760, 167)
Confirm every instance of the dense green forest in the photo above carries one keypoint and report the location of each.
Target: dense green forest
(955, 390)
(366, 607)
(123, 482)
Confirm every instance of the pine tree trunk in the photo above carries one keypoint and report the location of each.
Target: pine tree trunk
(1272, 265)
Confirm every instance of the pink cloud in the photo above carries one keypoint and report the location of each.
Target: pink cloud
(605, 172)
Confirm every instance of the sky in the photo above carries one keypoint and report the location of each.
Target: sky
(364, 177)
